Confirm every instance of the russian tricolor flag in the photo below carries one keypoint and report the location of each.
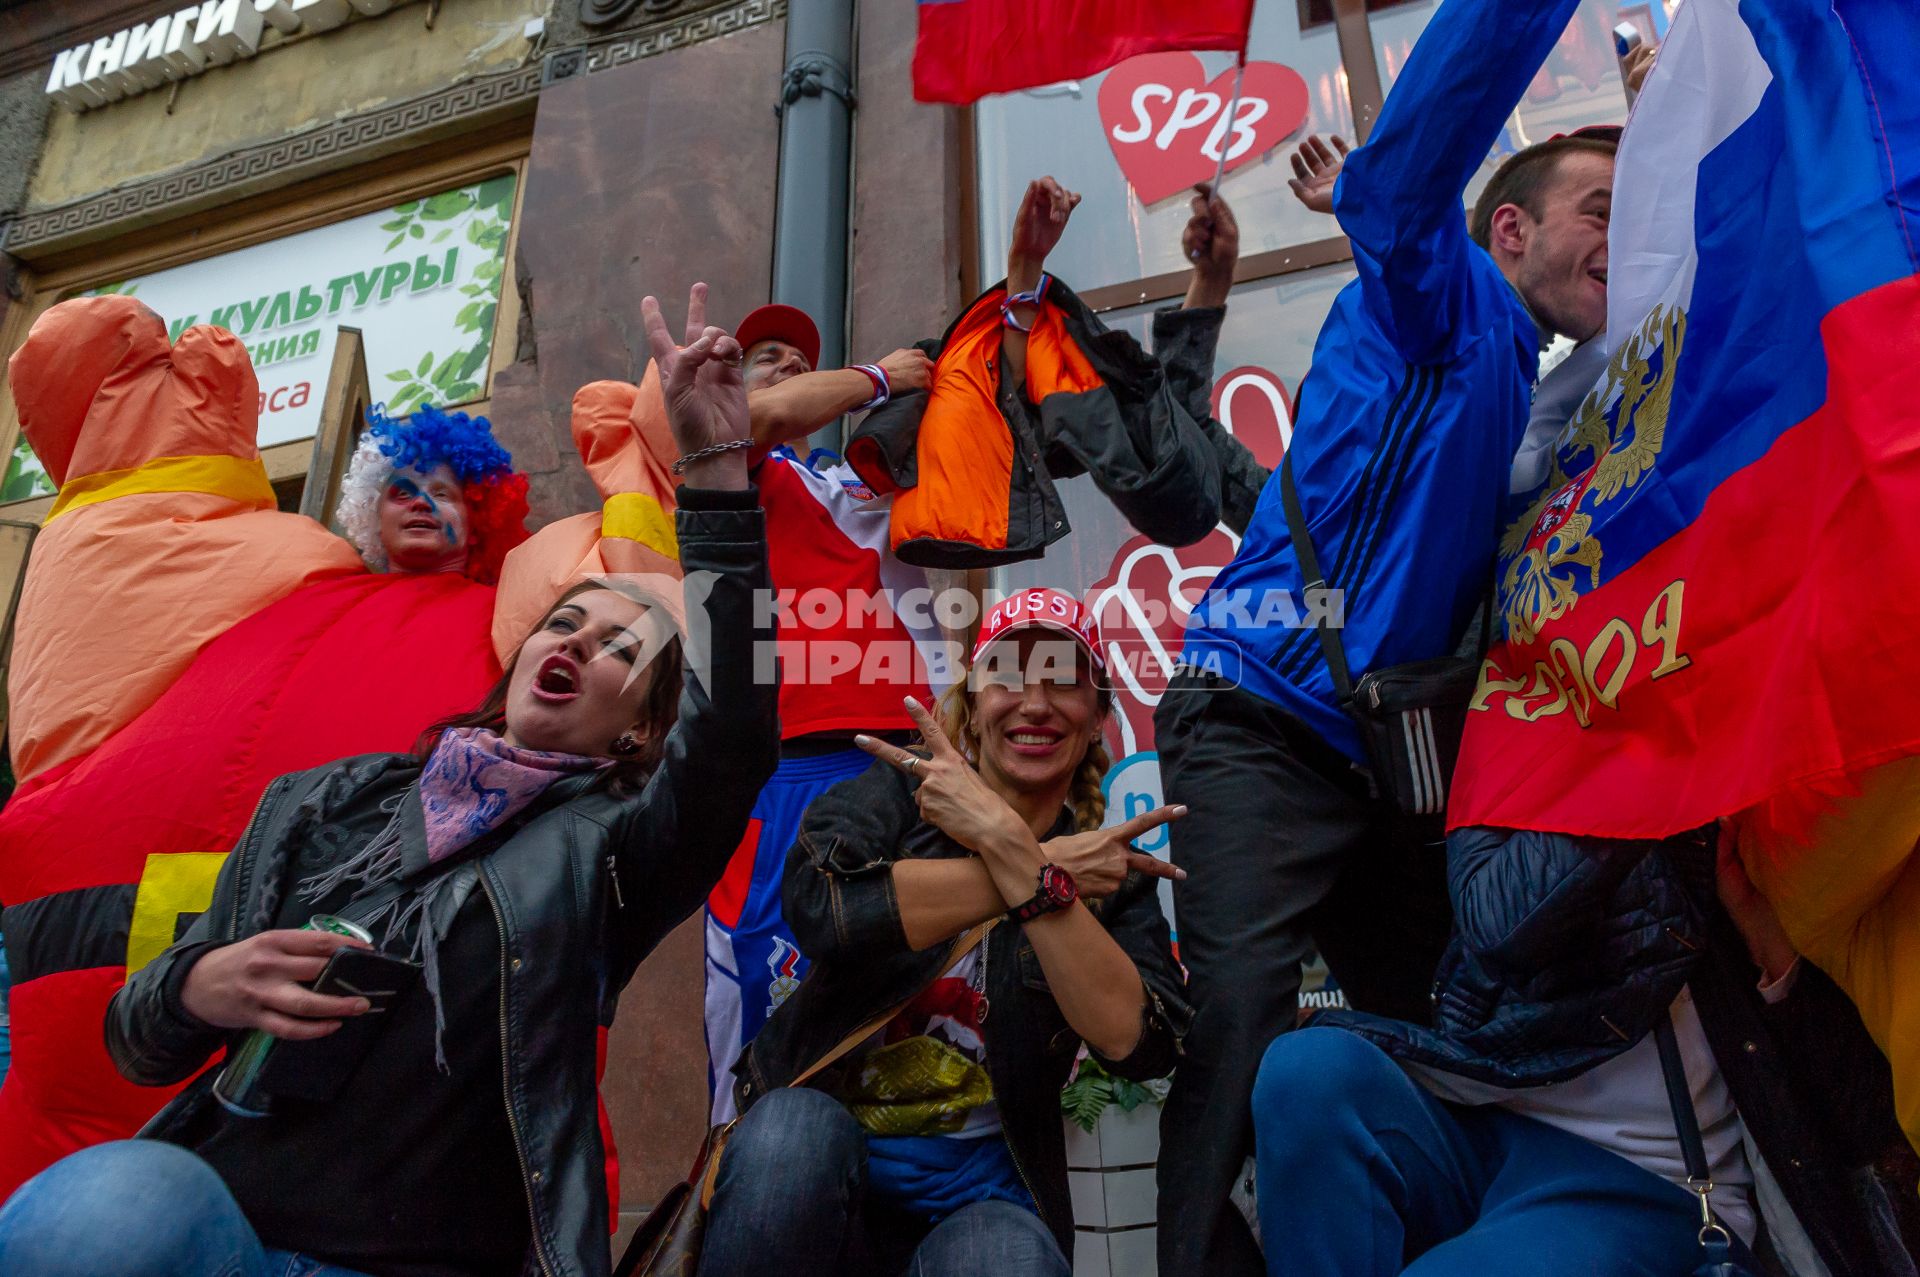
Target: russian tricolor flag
(1715, 598)
(970, 48)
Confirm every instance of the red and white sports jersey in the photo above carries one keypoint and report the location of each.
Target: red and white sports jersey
(856, 626)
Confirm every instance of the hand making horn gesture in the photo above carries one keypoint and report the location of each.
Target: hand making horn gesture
(706, 395)
(952, 796)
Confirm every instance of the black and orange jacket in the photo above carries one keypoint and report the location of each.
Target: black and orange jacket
(973, 463)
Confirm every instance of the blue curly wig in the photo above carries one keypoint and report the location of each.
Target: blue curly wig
(433, 437)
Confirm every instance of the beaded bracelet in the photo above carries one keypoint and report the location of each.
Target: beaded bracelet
(1033, 298)
(882, 388)
(711, 450)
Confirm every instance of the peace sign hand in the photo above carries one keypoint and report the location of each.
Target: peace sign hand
(951, 796)
(1100, 859)
(705, 393)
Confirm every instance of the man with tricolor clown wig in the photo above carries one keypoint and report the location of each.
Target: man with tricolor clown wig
(433, 493)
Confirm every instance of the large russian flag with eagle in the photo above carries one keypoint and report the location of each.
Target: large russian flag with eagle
(1714, 599)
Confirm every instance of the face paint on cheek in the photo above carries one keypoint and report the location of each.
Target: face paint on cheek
(405, 489)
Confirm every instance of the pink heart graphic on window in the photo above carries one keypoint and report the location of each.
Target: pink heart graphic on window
(1167, 125)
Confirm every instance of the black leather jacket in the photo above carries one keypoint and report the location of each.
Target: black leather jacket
(1185, 339)
(838, 898)
(582, 891)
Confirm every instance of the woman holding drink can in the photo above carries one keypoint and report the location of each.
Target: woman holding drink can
(430, 1108)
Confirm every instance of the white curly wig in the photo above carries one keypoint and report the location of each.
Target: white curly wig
(368, 474)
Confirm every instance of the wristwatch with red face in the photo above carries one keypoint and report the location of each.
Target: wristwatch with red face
(1057, 891)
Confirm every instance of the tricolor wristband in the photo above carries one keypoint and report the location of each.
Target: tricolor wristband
(1033, 298)
(882, 388)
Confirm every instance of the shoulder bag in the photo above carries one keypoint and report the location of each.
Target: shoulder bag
(669, 1240)
(1410, 716)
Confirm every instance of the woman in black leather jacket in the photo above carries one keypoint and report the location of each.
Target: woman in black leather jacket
(937, 1147)
(529, 859)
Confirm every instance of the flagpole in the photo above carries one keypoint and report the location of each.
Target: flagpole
(1233, 104)
(1233, 108)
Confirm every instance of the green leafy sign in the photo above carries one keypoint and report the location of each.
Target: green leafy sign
(422, 281)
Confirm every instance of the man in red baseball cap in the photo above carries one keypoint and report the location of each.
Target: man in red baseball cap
(789, 399)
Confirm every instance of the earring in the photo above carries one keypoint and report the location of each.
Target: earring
(626, 745)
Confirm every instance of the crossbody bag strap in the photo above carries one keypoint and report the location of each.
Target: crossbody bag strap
(1330, 645)
(967, 943)
(1686, 1123)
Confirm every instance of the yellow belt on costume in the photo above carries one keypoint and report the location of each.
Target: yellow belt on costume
(635, 516)
(239, 480)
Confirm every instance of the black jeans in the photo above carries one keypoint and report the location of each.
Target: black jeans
(1284, 852)
(791, 1202)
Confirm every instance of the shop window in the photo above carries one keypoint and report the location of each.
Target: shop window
(1319, 13)
(421, 280)
(1579, 85)
(1134, 140)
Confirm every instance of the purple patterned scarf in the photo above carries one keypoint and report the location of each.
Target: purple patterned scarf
(475, 782)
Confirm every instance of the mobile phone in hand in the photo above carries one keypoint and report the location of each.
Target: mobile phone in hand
(316, 1071)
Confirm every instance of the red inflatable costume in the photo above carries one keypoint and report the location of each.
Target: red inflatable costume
(180, 643)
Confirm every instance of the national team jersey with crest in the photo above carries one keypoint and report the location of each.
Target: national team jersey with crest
(856, 627)
(856, 635)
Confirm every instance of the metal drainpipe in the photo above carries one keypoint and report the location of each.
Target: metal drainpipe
(816, 145)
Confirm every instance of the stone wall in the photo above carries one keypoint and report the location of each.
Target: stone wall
(291, 85)
(642, 179)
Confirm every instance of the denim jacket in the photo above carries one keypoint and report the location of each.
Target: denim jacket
(839, 899)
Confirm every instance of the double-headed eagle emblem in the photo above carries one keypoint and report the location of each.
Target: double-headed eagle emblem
(1622, 423)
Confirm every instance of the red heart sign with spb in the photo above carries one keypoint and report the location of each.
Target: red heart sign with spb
(1167, 123)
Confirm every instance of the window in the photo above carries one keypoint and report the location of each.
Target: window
(1580, 84)
(420, 277)
(1171, 105)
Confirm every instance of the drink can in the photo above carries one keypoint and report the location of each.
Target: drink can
(339, 927)
(238, 1087)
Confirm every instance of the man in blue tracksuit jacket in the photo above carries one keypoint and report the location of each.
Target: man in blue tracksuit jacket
(1407, 426)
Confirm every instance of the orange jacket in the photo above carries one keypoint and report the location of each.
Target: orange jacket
(974, 462)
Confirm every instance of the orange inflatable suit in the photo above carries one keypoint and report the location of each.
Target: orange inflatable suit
(180, 643)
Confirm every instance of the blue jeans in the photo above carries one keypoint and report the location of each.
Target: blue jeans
(1362, 1173)
(137, 1208)
(791, 1201)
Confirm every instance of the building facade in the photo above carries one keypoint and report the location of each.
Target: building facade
(484, 189)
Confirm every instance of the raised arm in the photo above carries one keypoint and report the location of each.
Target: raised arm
(686, 823)
(801, 405)
(1398, 197)
(1185, 340)
(1038, 224)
